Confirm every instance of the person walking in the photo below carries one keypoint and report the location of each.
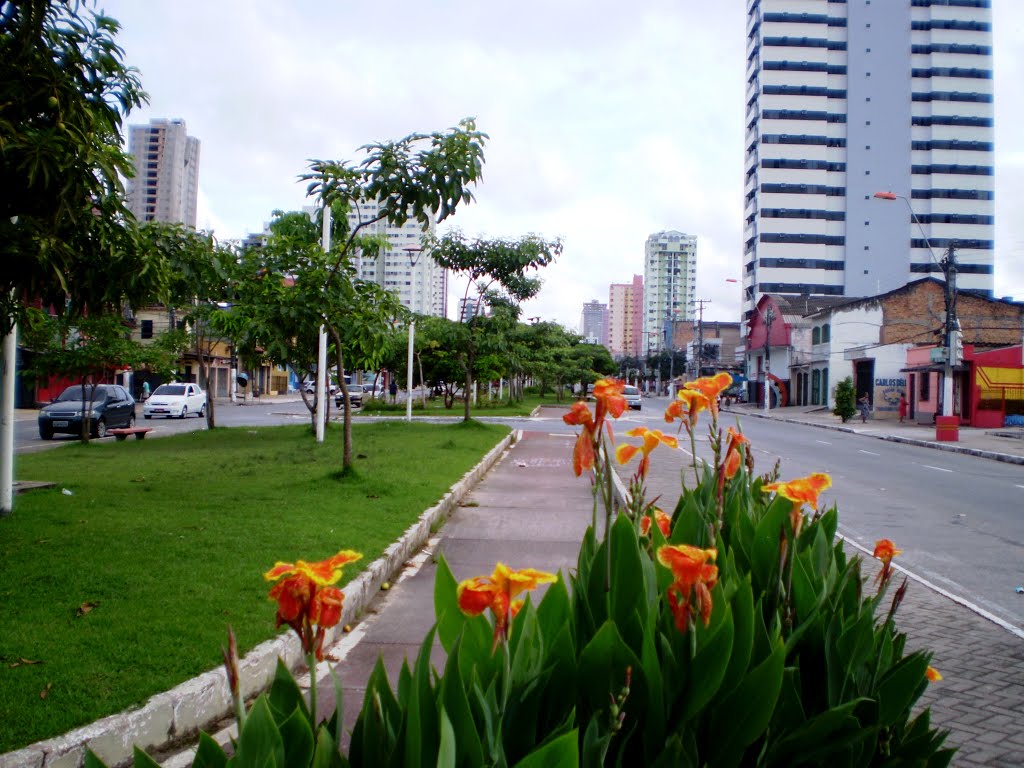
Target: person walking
(145, 391)
(393, 389)
(864, 405)
(904, 405)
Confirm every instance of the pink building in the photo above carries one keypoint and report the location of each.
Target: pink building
(625, 318)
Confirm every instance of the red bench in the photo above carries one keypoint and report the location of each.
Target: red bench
(122, 434)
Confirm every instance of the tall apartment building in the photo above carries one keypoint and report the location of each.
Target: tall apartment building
(166, 183)
(846, 99)
(670, 278)
(403, 268)
(594, 323)
(626, 318)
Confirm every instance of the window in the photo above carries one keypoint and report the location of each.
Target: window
(147, 329)
(815, 386)
(816, 338)
(826, 333)
(923, 393)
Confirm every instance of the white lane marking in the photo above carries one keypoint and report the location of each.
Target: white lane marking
(870, 453)
(937, 469)
(823, 442)
(1013, 628)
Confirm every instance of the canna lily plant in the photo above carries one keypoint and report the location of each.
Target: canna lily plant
(731, 631)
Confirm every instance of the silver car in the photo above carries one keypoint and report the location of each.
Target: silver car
(632, 395)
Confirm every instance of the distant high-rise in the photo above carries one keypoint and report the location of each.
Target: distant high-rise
(404, 268)
(594, 323)
(472, 306)
(626, 318)
(670, 279)
(846, 99)
(166, 183)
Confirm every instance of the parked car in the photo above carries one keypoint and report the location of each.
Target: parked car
(175, 399)
(355, 396)
(109, 405)
(309, 387)
(632, 395)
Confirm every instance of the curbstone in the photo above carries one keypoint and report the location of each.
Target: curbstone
(179, 714)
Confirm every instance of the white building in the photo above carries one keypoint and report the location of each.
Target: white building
(670, 280)
(846, 99)
(403, 268)
(166, 162)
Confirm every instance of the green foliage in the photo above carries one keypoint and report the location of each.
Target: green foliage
(64, 88)
(845, 399)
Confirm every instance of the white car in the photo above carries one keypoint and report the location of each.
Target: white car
(175, 399)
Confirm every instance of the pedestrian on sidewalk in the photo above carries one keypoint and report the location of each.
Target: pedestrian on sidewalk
(864, 404)
(393, 390)
(903, 408)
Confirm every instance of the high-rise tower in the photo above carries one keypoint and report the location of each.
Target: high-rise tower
(846, 99)
(166, 183)
(670, 276)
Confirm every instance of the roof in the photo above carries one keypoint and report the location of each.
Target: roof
(803, 305)
(907, 288)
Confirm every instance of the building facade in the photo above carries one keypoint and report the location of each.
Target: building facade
(403, 268)
(594, 323)
(847, 99)
(670, 277)
(166, 162)
(625, 318)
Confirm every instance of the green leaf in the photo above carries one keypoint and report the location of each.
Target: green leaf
(562, 752)
(601, 672)
(446, 606)
(765, 555)
(454, 703)
(285, 696)
(141, 760)
(900, 687)
(209, 753)
(259, 743)
(742, 716)
(709, 665)
(628, 588)
(92, 761)
(448, 748)
(298, 740)
(742, 610)
(421, 725)
(555, 610)
(326, 754)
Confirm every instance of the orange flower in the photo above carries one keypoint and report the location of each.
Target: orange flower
(688, 403)
(804, 490)
(608, 394)
(932, 674)
(663, 521)
(711, 387)
(732, 453)
(578, 415)
(885, 551)
(583, 454)
(694, 578)
(652, 438)
(498, 592)
(305, 598)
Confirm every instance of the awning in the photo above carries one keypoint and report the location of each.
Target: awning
(934, 368)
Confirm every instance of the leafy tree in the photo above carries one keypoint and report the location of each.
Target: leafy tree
(64, 87)
(199, 275)
(498, 270)
(88, 349)
(845, 399)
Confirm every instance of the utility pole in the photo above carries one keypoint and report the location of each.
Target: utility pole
(952, 334)
(769, 318)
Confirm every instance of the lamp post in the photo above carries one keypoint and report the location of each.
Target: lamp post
(951, 326)
(413, 254)
(769, 318)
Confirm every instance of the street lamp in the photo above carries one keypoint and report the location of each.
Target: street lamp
(413, 253)
(948, 267)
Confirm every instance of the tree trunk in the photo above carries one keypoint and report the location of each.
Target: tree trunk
(346, 451)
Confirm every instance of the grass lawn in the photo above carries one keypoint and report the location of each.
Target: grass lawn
(126, 587)
(484, 407)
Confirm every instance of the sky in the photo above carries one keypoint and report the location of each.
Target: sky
(608, 121)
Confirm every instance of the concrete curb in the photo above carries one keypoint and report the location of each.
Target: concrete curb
(197, 704)
(980, 453)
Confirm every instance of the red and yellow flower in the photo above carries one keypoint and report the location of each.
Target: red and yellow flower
(885, 551)
(305, 597)
(733, 458)
(663, 521)
(652, 439)
(686, 407)
(932, 674)
(803, 490)
(583, 454)
(498, 592)
(711, 387)
(693, 579)
(608, 394)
